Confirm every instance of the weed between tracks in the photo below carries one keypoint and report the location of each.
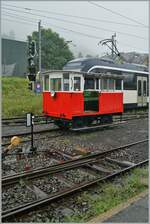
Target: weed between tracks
(84, 205)
(102, 198)
(17, 99)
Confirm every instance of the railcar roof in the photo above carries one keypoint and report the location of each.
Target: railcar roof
(86, 74)
(109, 63)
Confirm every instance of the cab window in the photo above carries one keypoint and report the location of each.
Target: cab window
(118, 84)
(46, 83)
(66, 82)
(97, 83)
(55, 84)
(89, 84)
(104, 84)
(111, 84)
(77, 83)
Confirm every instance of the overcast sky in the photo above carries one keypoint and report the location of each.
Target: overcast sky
(132, 36)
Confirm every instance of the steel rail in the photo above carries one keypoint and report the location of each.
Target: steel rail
(52, 130)
(29, 133)
(28, 140)
(31, 206)
(22, 124)
(115, 122)
(48, 130)
(85, 128)
(70, 164)
(19, 121)
(17, 118)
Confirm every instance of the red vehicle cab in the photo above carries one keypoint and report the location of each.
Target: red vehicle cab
(77, 99)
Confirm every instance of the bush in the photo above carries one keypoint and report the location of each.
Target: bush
(17, 99)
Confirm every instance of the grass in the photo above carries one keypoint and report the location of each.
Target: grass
(111, 194)
(17, 99)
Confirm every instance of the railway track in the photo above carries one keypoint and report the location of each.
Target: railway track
(91, 162)
(118, 120)
(74, 163)
(26, 136)
(58, 129)
(29, 133)
(21, 121)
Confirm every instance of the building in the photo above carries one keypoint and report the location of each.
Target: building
(14, 57)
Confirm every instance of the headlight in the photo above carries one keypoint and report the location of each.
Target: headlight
(52, 93)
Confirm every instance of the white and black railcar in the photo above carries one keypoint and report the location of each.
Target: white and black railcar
(135, 93)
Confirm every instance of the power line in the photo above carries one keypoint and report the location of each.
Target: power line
(69, 30)
(90, 36)
(117, 13)
(128, 45)
(77, 23)
(18, 22)
(62, 28)
(80, 17)
(77, 32)
(20, 17)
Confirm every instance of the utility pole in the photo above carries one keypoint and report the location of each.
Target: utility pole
(39, 32)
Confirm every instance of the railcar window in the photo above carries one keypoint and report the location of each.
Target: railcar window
(97, 83)
(104, 84)
(144, 88)
(74, 64)
(89, 84)
(77, 83)
(118, 84)
(46, 83)
(66, 82)
(111, 84)
(55, 84)
(139, 88)
(130, 82)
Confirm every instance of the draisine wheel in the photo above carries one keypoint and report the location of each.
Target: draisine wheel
(63, 124)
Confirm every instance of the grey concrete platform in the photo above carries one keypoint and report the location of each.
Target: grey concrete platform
(137, 212)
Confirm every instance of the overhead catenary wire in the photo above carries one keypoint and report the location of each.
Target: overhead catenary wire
(19, 16)
(77, 23)
(66, 29)
(117, 13)
(69, 30)
(21, 22)
(79, 17)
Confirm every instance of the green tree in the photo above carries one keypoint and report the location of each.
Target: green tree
(55, 52)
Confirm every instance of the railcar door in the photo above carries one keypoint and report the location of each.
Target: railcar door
(141, 91)
(76, 82)
(91, 94)
(91, 101)
(144, 91)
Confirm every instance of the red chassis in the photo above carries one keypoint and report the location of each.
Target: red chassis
(67, 105)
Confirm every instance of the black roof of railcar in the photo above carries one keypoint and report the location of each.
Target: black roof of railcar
(87, 63)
